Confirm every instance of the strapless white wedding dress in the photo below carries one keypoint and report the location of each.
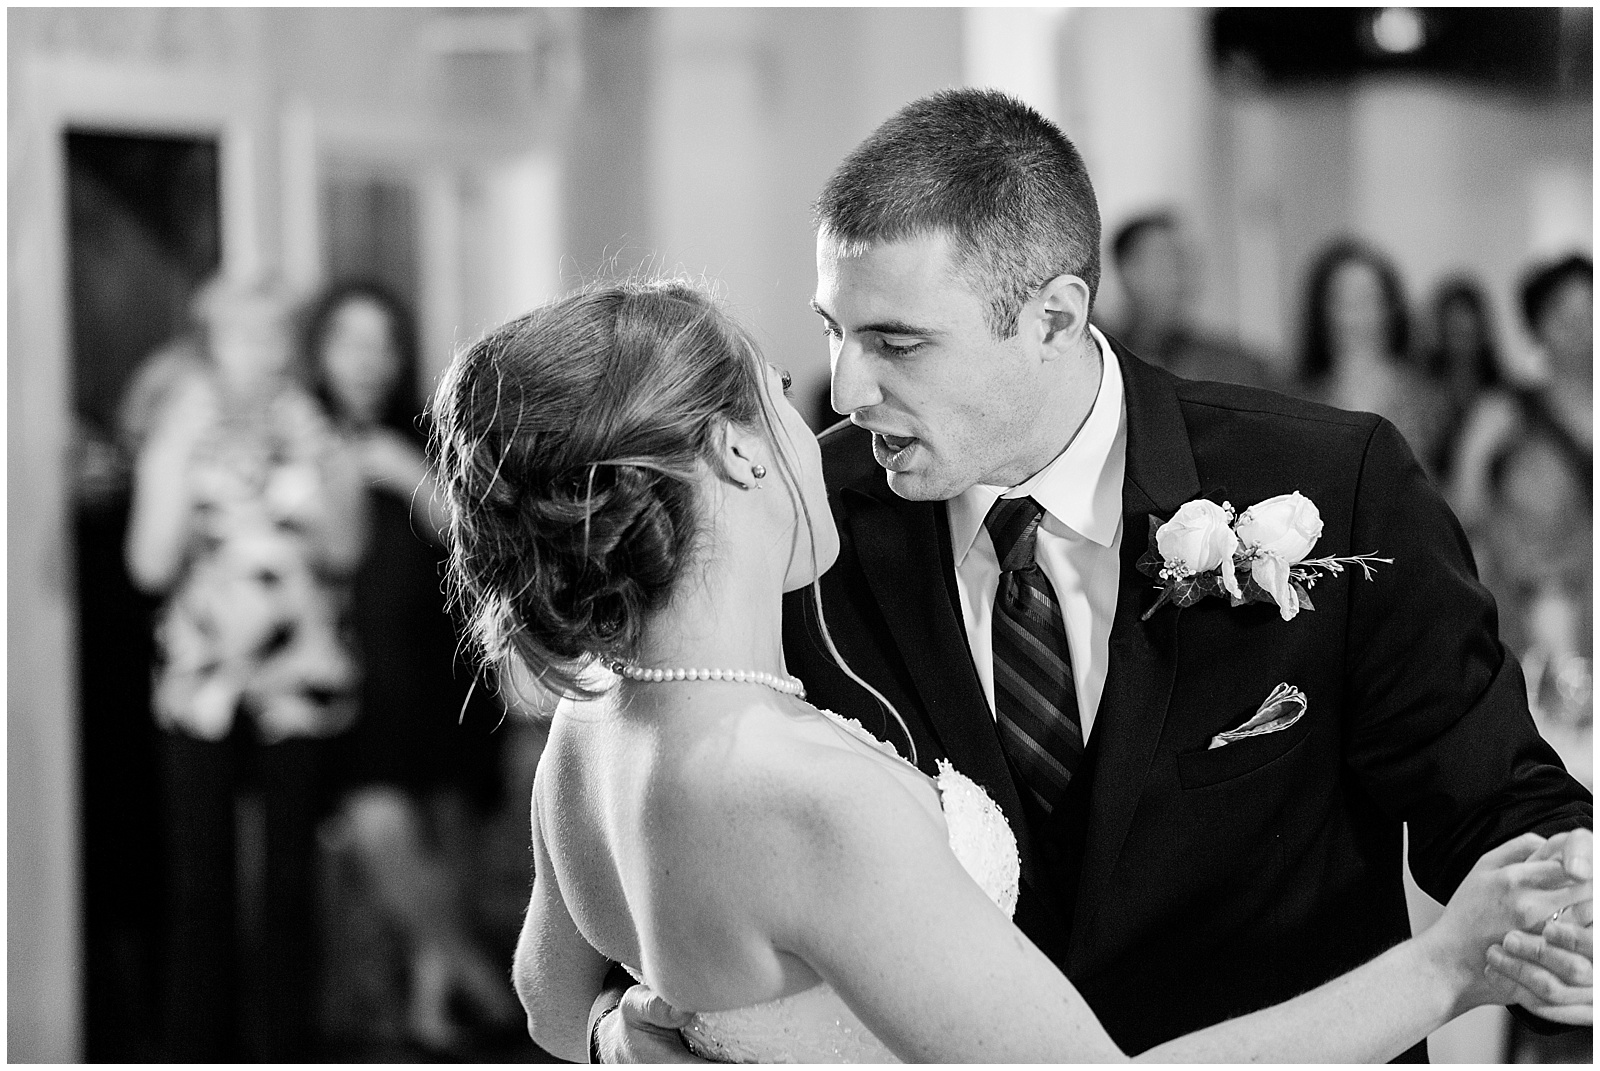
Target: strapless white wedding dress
(815, 1026)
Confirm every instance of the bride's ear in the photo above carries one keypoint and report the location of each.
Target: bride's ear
(742, 453)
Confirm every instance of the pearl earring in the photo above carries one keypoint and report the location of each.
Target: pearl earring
(759, 471)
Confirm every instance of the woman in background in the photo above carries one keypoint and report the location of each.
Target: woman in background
(1523, 486)
(1557, 301)
(422, 766)
(1463, 362)
(241, 518)
(1357, 349)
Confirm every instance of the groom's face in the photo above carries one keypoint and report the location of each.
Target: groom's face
(915, 363)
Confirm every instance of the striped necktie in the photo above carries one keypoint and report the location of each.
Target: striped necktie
(1035, 701)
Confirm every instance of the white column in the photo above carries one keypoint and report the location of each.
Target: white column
(43, 918)
(302, 196)
(1139, 102)
(524, 196)
(440, 314)
(710, 144)
(1262, 296)
(750, 111)
(502, 221)
(1560, 208)
(1014, 49)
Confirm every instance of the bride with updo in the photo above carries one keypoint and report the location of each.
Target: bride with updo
(630, 494)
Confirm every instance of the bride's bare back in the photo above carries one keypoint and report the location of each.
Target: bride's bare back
(670, 831)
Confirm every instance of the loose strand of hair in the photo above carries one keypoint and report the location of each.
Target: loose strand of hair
(791, 485)
(844, 667)
(588, 512)
(505, 448)
(669, 471)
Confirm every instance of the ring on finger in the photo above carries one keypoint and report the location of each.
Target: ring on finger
(1556, 916)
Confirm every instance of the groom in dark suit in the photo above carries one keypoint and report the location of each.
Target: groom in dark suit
(997, 483)
(1177, 884)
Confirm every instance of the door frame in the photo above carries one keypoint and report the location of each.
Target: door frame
(51, 95)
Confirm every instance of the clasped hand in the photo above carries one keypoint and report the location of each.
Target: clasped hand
(1547, 965)
(643, 1029)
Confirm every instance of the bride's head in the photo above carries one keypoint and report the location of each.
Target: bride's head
(589, 452)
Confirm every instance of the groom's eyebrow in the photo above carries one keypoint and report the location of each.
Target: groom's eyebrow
(882, 327)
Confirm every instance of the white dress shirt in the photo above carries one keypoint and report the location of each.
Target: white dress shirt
(1077, 547)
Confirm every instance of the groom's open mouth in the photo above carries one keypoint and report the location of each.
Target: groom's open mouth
(893, 452)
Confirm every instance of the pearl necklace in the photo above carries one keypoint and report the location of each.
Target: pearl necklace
(787, 685)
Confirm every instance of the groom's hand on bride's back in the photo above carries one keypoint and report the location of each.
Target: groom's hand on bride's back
(643, 1029)
(1549, 969)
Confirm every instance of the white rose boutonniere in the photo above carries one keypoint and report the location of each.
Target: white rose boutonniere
(1198, 539)
(1276, 535)
(1257, 556)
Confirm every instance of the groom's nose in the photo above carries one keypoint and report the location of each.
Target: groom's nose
(854, 386)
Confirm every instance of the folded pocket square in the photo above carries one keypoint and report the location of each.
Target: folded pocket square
(1282, 709)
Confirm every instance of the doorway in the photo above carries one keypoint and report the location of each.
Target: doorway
(143, 232)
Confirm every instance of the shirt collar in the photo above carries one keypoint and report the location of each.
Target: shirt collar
(1082, 487)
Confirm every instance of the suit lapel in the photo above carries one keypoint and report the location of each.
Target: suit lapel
(904, 550)
(1160, 477)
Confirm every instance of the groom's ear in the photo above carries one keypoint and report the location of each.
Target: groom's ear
(1061, 314)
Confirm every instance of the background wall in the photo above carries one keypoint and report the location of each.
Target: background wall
(1443, 177)
(537, 148)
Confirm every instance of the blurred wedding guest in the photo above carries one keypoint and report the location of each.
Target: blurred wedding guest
(1357, 343)
(1557, 304)
(242, 520)
(422, 766)
(1462, 361)
(120, 814)
(1157, 270)
(1534, 550)
(1524, 486)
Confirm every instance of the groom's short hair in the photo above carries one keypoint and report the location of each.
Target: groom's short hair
(996, 176)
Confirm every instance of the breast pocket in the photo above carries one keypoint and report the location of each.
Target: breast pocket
(1213, 766)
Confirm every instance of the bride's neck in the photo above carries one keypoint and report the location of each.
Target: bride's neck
(726, 614)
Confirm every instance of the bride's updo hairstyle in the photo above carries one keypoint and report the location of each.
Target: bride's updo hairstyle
(566, 444)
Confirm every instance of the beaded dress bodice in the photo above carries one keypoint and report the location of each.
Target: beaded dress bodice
(816, 1026)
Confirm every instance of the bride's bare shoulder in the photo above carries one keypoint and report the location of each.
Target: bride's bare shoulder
(719, 780)
(785, 779)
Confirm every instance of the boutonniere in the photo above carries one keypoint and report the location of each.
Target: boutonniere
(1257, 556)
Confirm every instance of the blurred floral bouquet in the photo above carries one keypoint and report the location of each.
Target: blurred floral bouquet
(1257, 556)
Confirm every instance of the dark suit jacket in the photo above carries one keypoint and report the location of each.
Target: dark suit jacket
(1186, 885)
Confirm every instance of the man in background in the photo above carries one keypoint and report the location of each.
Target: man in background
(1156, 267)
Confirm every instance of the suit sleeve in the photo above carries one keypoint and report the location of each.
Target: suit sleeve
(1439, 731)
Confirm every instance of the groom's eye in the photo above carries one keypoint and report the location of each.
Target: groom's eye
(901, 347)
